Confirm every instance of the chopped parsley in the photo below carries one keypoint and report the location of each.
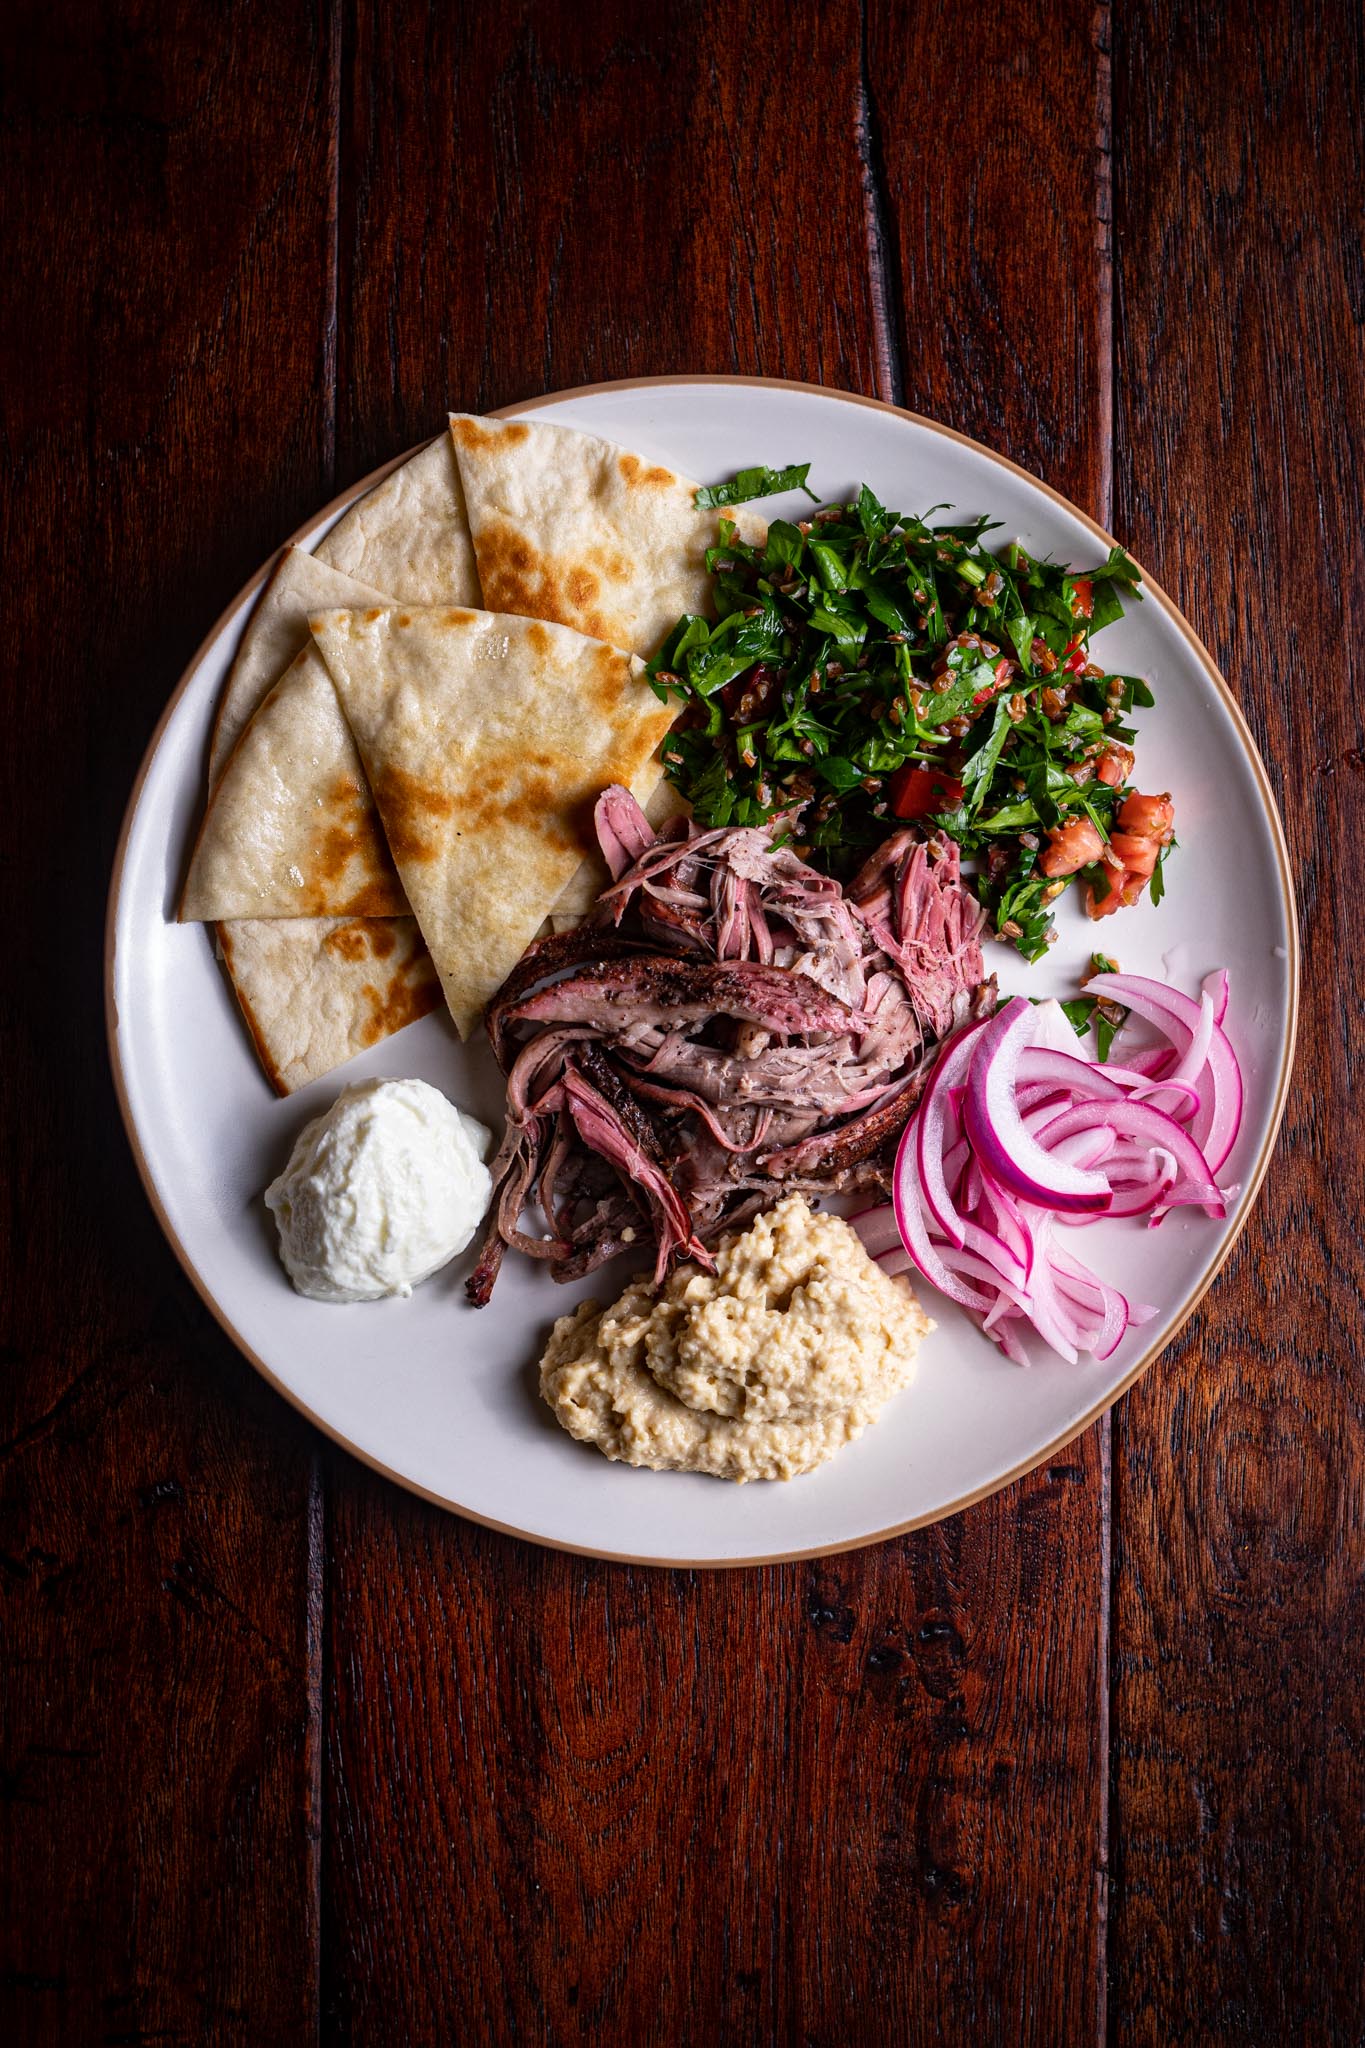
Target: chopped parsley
(1107, 1017)
(755, 483)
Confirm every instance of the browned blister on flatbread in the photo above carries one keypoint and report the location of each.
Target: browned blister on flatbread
(487, 740)
(291, 829)
(573, 529)
(315, 992)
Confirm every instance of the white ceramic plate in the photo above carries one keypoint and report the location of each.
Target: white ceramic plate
(442, 1397)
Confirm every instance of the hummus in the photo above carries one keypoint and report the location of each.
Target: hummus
(762, 1370)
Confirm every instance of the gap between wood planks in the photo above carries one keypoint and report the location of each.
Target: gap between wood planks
(883, 249)
(888, 296)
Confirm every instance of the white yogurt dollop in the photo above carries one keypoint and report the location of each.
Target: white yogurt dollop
(380, 1192)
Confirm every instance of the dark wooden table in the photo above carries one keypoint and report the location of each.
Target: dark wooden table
(287, 1753)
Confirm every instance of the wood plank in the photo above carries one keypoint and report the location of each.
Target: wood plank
(995, 217)
(1240, 1462)
(542, 196)
(164, 174)
(566, 1799)
(991, 139)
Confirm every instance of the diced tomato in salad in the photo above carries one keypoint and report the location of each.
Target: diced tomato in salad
(918, 792)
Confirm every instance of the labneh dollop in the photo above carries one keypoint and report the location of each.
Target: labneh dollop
(761, 1370)
(381, 1192)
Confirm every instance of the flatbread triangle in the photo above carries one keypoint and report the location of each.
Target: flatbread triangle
(291, 829)
(571, 528)
(487, 739)
(316, 991)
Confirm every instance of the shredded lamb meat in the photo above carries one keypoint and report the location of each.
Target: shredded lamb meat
(727, 1026)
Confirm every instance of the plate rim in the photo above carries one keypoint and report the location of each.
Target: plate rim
(1251, 1185)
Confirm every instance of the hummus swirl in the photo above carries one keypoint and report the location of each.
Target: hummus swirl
(762, 1370)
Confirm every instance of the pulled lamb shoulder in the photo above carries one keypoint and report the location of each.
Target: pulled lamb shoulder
(729, 1025)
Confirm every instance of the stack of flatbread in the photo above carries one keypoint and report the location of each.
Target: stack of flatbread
(419, 720)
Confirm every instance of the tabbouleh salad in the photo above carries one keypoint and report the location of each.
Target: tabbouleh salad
(866, 667)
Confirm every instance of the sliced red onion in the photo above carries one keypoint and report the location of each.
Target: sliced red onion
(906, 1200)
(977, 1266)
(1064, 1070)
(1216, 1122)
(1153, 1063)
(1054, 1318)
(1145, 1086)
(1197, 1055)
(1041, 1092)
(1218, 986)
(955, 1162)
(1094, 1147)
(1173, 1013)
(1140, 1198)
(1219, 1118)
(931, 1128)
(1011, 1340)
(1154, 1128)
(1051, 1030)
(1167, 1093)
(877, 1229)
(1005, 1217)
(1077, 1282)
(998, 1134)
(1018, 1134)
(1103, 1301)
(1005, 1265)
(1133, 1163)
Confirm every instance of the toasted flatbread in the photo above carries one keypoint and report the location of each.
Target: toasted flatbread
(487, 739)
(408, 536)
(313, 999)
(276, 631)
(573, 529)
(291, 829)
(317, 992)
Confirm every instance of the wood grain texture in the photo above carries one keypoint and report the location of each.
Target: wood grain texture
(991, 143)
(251, 247)
(575, 1801)
(162, 172)
(568, 1800)
(538, 196)
(1239, 1758)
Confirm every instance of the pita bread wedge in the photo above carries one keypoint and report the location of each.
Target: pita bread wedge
(408, 536)
(317, 992)
(276, 631)
(574, 529)
(487, 740)
(291, 829)
(309, 1004)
